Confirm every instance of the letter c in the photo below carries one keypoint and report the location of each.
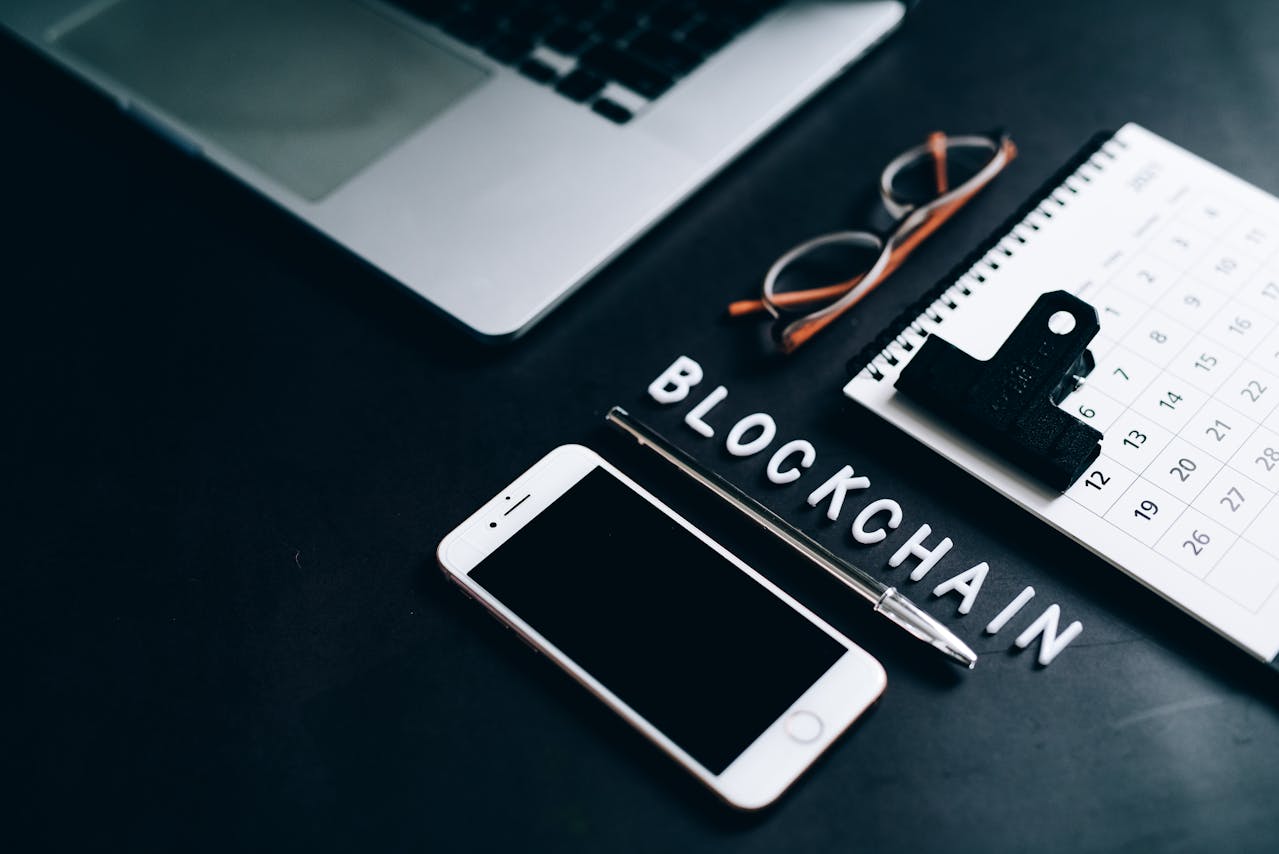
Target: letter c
(807, 455)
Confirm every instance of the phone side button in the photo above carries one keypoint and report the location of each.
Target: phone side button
(803, 726)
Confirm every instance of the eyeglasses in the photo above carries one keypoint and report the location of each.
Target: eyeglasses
(921, 188)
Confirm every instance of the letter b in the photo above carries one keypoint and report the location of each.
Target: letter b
(673, 384)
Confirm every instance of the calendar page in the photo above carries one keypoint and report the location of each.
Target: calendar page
(1181, 261)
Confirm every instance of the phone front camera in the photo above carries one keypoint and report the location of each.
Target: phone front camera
(492, 524)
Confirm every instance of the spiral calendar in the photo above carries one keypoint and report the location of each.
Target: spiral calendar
(1180, 259)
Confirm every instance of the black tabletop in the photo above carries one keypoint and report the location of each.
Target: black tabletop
(229, 451)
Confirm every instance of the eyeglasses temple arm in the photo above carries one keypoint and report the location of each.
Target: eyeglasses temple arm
(937, 147)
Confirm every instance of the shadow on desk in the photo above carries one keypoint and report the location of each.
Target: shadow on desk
(1032, 543)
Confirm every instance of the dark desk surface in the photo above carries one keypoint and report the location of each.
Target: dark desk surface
(229, 450)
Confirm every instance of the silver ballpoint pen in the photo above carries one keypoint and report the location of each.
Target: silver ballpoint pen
(887, 600)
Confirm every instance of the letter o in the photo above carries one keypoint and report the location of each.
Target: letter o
(768, 430)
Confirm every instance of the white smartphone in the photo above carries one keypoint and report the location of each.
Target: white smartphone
(741, 684)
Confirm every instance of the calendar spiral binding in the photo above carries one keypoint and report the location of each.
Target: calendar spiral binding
(912, 326)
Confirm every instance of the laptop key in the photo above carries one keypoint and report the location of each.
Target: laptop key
(665, 52)
(612, 111)
(708, 36)
(632, 73)
(577, 9)
(671, 16)
(508, 47)
(614, 24)
(568, 40)
(531, 20)
(580, 85)
(535, 69)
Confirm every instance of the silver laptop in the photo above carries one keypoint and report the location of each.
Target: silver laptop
(488, 154)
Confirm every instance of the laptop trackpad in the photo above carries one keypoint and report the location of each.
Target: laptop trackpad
(307, 91)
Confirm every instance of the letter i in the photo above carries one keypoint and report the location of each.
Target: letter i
(1010, 611)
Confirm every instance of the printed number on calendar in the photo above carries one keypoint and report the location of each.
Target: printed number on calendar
(1233, 499)
(1197, 542)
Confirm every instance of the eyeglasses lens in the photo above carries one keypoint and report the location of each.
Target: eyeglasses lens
(916, 183)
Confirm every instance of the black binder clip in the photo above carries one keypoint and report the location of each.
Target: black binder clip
(1009, 403)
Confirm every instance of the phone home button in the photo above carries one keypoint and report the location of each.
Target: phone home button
(803, 726)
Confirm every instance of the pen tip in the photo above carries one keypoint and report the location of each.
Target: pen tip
(964, 655)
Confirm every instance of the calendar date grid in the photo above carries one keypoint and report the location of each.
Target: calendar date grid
(1194, 541)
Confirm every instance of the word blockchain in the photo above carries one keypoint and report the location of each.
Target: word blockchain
(753, 434)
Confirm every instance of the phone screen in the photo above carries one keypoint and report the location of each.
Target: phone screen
(686, 639)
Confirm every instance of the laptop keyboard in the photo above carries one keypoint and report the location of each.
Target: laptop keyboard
(614, 56)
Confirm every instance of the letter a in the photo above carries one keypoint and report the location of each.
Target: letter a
(968, 583)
